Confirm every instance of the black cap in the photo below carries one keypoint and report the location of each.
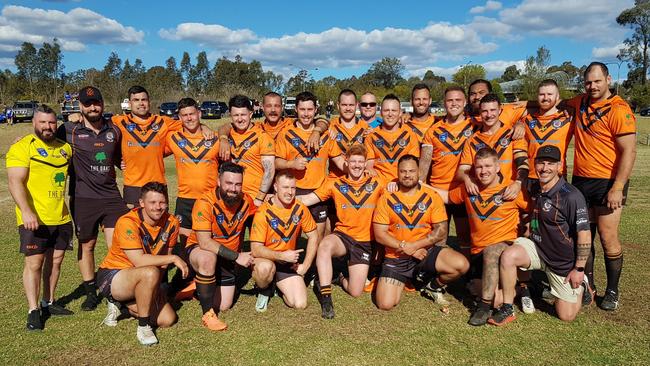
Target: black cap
(549, 152)
(90, 93)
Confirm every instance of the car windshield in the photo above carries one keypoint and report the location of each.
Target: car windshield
(168, 106)
(209, 104)
(23, 105)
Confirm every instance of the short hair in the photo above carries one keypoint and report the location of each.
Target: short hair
(230, 167)
(272, 94)
(347, 92)
(408, 157)
(153, 187)
(595, 64)
(357, 149)
(240, 101)
(490, 98)
(486, 152)
(306, 97)
(390, 97)
(44, 108)
(187, 102)
(137, 89)
(420, 86)
(286, 173)
(454, 88)
(548, 82)
(481, 81)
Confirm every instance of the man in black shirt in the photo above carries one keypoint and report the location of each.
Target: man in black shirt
(94, 197)
(559, 244)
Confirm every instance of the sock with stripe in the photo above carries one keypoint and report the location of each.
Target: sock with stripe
(206, 287)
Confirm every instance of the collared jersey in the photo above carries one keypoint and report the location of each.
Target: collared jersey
(504, 146)
(196, 162)
(211, 214)
(557, 217)
(597, 127)
(447, 141)
(420, 128)
(274, 131)
(355, 202)
(293, 143)
(279, 228)
(143, 147)
(509, 115)
(48, 169)
(247, 150)
(409, 217)
(552, 130)
(133, 233)
(386, 147)
(94, 158)
(492, 220)
(344, 138)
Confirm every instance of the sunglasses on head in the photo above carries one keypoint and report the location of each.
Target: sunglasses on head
(366, 105)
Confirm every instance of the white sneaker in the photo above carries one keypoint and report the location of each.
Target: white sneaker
(112, 314)
(527, 305)
(145, 335)
(439, 298)
(262, 303)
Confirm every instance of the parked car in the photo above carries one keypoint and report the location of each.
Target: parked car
(70, 107)
(125, 105)
(169, 109)
(24, 110)
(290, 106)
(645, 112)
(406, 107)
(436, 108)
(211, 109)
(224, 108)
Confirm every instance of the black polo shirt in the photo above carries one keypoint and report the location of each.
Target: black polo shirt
(94, 157)
(557, 217)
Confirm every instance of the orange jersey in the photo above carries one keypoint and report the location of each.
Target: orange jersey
(355, 203)
(225, 223)
(293, 143)
(555, 130)
(279, 228)
(491, 219)
(346, 137)
(196, 163)
(420, 128)
(143, 147)
(409, 217)
(447, 141)
(386, 147)
(274, 131)
(504, 146)
(597, 127)
(247, 149)
(132, 233)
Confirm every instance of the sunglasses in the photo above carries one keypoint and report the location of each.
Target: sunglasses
(366, 105)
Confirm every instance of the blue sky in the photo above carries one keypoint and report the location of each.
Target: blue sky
(339, 38)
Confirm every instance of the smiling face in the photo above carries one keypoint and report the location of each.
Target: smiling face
(421, 100)
(486, 170)
(191, 117)
(548, 97)
(597, 84)
(455, 103)
(476, 93)
(347, 106)
(407, 173)
(368, 106)
(140, 105)
(547, 170)
(92, 111)
(285, 189)
(272, 107)
(390, 113)
(154, 205)
(230, 188)
(356, 166)
(490, 114)
(241, 118)
(306, 111)
(44, 126)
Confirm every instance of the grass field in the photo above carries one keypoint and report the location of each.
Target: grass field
(416, 332)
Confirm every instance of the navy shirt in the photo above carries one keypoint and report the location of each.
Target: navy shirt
(558, 216)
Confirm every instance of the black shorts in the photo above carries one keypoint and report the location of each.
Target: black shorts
(284, 271)
(225, 271)
(454, 210)
(405, 269)
(319, 210)
(104, 279)
(358, 252)
(89, 214)
(131, 195)
(58, 237)
(595, 190)
(475, 267)
(183, 211)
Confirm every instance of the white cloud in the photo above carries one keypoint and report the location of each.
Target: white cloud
(490, 27)
(605, 53)
(6, 62)
(214, 35)
(493, 68)
(489, 6)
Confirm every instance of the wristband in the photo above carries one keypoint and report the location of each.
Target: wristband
(262, 194)
(223, 137)
(617, 186)
(227, 253)
(580, 269)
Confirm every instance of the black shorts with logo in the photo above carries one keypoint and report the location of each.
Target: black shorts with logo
(405, 269)
(319, 210)
(58, 237)
(183, 211)
(358, 252)
(595, 190)
(89, 214)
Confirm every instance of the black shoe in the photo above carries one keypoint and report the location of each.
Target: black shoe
(55, 309)
(480, 316)
(587, 294)
(610, 301)
(504, 315)
(34, 320)
(91, 302)
(327, 309)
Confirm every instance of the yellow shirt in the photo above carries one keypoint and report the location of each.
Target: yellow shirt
(48, 170)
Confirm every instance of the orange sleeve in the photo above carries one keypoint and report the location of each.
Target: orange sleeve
(127, 235)
(281, 147)
(175, 125)
(438, 211)
(173, 238)
(414, 149)
(522, 202)
(369, 147)
(202, 216)
(258, 229)
(381, 215)
(519, 145)
(267, 146)
(168, 144)
(308, 223)
(623, 121)
(325, 191)
(457, 195)
(334, 149)
(466, 155)
(428, 137)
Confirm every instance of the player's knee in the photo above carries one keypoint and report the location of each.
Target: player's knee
(167, 320)
(566, 316)
(206, 264)
(299, 303)
(150, 275)
(264, 269)
(356, 292)
(384, 303)
(508, 259)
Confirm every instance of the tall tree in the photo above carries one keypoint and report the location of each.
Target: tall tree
(468, 73)
(186, 68)
(26, 62)
(510, 73)
(636, 52)
(535, 71)
(199, 75)
(387, 72)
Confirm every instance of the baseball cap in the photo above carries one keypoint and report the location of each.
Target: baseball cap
(88, 94)
(549, 152)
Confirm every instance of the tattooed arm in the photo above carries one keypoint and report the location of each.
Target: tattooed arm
(437, 236)
(426, 153)
(268, 162)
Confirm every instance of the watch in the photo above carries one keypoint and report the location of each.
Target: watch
(580, 269)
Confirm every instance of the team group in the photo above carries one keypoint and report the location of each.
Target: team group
(374, 194)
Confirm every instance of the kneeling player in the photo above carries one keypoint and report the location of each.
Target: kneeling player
(217, 221)
(412, 224)
(355, 197)
(131, 272)
(276, 228)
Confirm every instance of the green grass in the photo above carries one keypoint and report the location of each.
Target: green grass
(416, 332)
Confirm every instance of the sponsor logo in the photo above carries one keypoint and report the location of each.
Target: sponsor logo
(155, 127)
(164, 237)
(368, 187)
(467, 132)
(557, 123)
(100, 157)
(379, 143)
(295, 142)
(63, 153)
(401, 142)
(546, 206)
(182, 143)
(498, 200)
(110, 136)
(275, 223)
(220, 218)
(504, 142)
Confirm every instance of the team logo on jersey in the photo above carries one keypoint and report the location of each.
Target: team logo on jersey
(504, 142)
(182, 143)
(295, 219)
(130, 235)
(498, 200)
(220, 218)
(467, 132)
(42, 152)
(401, 142)
(422, 207)
(207, 144)
(295, 142)
(379, 143)
(247, 144)
(532, 124)
(344, 188)
(472, 198)
(179, 218)
(397, 207)
(110, 136)
(63, 153)
(339, 137)
(443, 137)
(131, 127)
(369, 188)
(479, 146)
(146, 238)
(546, 207)
(155, 127)
(359, 139)
(557, 123)
(275, 223)
(164, 237)
(239, 216)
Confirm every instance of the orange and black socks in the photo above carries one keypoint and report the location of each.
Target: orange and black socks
(206, 286)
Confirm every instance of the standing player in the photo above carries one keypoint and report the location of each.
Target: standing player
(346, 129)
(509, 113)
(132, 271)
(387, 144)
(37, 167)
(276, 228)
(421, 120)
(213, 248)
(605, 150)
(368, 109)
(412, 225)
(95, 199)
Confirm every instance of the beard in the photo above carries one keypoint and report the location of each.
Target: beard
(50, 138)
(230, 200)
(410, 184)
(92, 118)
